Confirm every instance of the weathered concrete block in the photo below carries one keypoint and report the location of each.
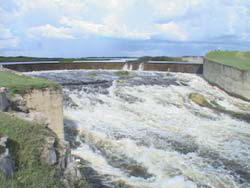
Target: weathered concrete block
(4, 102)
(49, 102)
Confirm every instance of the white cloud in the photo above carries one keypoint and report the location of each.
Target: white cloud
(7, 38)
(180, 19)
(172, 8)
(65, 7)
(174, 31)
(110, 28)
(176, 20)
(49, 31)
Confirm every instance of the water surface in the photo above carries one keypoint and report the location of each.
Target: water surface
(143, 131)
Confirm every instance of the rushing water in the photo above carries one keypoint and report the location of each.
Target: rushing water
(143, 131)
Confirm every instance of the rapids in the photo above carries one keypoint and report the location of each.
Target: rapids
(143, 131)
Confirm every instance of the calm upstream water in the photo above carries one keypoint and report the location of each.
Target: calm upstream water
(143, 131)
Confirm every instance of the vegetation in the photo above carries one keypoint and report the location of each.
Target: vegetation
(199, 99)
(160, 58)
(61, 60)
(122, 73)
(28, 59)
(26, 143)
(213, 105)
(240, 60)
(202, 101)
(21, 84)
(92, 74)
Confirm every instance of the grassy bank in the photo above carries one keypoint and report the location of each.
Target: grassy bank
(26, 143)
(240, 60)
(21, 84)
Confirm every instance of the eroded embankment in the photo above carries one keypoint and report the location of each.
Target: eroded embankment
(33, 152)
(32, 95)
(142, 129)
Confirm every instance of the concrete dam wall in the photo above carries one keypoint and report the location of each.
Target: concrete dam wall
(230, 79)
(49, 102)
(171, 67)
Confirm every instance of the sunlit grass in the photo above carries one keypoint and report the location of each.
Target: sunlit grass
(240, 60)
(21, 84)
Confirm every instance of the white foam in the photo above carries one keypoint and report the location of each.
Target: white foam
(162, 113)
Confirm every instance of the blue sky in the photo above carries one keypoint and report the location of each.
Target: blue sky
(78, 28)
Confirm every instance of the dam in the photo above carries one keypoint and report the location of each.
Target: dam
(141, 130)
(185, 67)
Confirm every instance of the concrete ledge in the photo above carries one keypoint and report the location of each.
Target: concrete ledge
(234, 81)
(171, 67)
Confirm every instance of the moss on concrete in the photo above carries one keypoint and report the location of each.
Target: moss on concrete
(21, 84)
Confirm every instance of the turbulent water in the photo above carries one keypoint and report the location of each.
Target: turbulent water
(143, 131)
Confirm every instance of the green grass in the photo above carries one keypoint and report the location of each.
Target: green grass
(237, 59)
(21, 84)
(26, 143)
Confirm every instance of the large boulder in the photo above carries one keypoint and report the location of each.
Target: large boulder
(7, 164)
(4, 102)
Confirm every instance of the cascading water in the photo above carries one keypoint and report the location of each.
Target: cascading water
(141, 67)
(143, 131)
(130, 67)
(127, 67)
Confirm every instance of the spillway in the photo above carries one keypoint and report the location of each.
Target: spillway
(142, 131)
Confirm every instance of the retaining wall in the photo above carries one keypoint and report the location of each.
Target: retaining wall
(172, 67)
(230, 79)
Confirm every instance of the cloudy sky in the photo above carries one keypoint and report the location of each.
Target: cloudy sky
(77, 28)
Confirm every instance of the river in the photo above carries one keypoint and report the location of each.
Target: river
(143, 131)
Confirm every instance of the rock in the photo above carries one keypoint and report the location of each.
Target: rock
(18, 104)
(64, 153)
(199, 99)
(7, 164)
(67, 101)
(4, 102)
(73, 177)
(56, 152)
(71, 133)
(49, 155)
